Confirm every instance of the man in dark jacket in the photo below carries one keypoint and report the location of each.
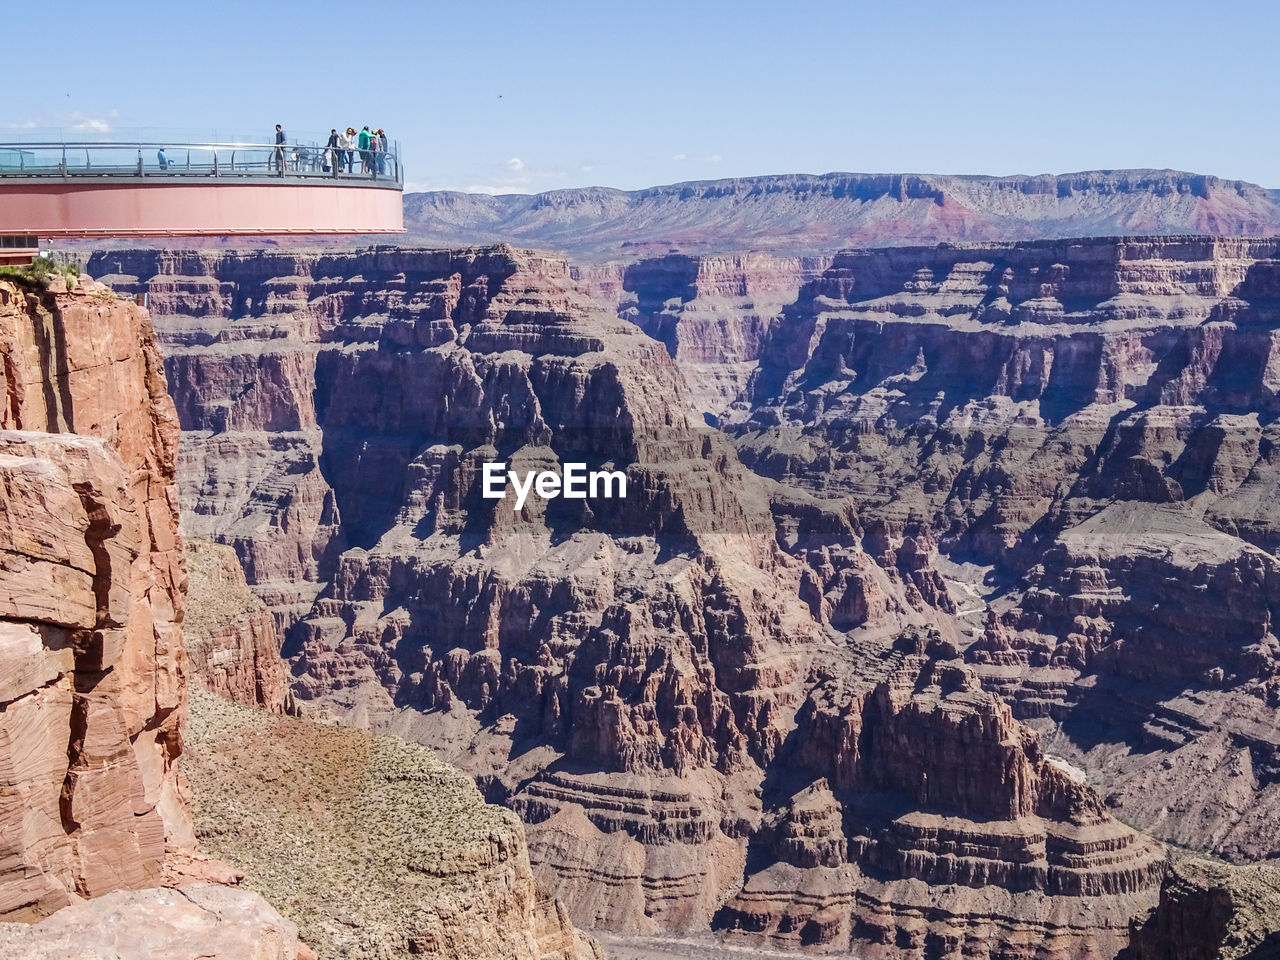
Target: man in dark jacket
(331, 152)
(277, 155)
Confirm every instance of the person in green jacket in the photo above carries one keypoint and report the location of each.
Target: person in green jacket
(362, 144)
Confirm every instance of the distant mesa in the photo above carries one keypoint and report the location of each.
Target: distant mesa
(805, 214)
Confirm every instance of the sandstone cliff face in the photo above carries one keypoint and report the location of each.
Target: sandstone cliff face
(231, 639)
(92, 668)
(936, 827)
(648, 682)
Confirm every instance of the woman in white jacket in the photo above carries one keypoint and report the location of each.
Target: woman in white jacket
(347, 147)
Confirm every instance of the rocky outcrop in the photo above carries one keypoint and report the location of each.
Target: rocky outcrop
(231, 639)
(214, 922)
(374, 847)
(802, 214)
(92, 698)
(1212, 911)
(936, 827)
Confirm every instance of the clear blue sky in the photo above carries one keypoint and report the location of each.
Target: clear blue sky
(525, 96)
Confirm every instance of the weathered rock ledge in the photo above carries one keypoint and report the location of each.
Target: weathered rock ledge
(92, 588)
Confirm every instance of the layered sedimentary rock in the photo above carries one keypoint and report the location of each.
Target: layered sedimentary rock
(711, 313)
(1212, 911)
(231, 638)
(92, 667)
(373, 846)
(201, 920)
(937, 827)
(648, 680)
(821, 214)
(1086, 430)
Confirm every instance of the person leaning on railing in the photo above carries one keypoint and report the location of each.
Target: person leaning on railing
(362, 144)
(331, 155)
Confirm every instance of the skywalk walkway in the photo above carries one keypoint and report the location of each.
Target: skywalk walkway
(196, 189)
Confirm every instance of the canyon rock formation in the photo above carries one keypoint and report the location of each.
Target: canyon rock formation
(232, 642)
(803, 214)
(92, 667)
(710, 312)
(779, 689)
(1084, 430)
(1211, 911)
(375, 847)
(95, 813)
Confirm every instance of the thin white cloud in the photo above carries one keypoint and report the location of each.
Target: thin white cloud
(516, 176)
(714, 158)
(680, 157)
(75, 122)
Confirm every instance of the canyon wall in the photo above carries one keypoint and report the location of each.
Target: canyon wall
(711, 313)
(95, 812)
(1086, 430)
(1209, 910)
(93, 699)
(727, 700)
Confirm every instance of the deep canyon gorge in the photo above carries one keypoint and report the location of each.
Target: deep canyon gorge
(936, 621)
(907, 604)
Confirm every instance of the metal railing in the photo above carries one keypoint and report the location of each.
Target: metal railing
(292, 161)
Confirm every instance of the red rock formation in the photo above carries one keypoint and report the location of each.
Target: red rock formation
(710, 312)
(93, 664)
(1211, 911)
(937, 824)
